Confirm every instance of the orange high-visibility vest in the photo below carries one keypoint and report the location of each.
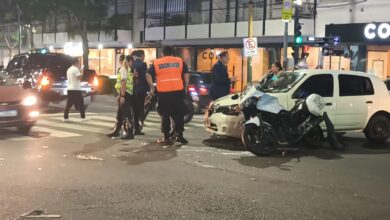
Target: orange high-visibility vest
(169, 71)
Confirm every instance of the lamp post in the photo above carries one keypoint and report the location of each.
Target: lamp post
(100, 47)
(250, 35)
(20, 28)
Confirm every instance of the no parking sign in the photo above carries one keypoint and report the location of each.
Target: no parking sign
(250, 47)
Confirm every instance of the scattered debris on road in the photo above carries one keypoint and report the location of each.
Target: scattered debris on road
(45, 147)
(1, 159)
(205, 165)
(38, 214)
(88, 157)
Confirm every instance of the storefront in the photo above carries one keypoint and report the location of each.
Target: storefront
(202, 59)
(366, 46)
(105, 61)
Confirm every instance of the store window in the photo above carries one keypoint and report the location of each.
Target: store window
(207, 57)
(102, 61)
(150, 54)
(224, 11)
(243, 10)
(199, 12)
(187, 54)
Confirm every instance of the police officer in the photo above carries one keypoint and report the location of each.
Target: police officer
(141, 87)
(124, 87)
(172, 77)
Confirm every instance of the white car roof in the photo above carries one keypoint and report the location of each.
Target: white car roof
(320, 71)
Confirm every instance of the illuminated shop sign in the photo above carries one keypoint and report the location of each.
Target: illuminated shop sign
(373, 31)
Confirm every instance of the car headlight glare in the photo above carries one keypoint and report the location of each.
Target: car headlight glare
(29, 101)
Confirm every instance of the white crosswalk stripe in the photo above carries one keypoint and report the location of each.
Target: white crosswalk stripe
(51, 125)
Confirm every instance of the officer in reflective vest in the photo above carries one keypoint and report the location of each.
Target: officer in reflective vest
(171, 76)
(124, 86)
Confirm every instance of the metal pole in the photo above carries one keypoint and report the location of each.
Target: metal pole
(250, 35)
(20, 30)
(296, 23)
(285, 45)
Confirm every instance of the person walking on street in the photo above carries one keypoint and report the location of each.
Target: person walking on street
(75, 96)
(141, 87)
(221, 82)
(172, 77)
(124, 87)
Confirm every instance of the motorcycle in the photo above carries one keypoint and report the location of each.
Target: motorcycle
(268, 125)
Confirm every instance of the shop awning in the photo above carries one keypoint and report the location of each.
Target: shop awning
(236, 42)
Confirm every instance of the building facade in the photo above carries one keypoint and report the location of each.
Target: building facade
(364, 30)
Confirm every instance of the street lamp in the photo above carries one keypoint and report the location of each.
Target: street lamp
(250, 35)
(298, 2)
(100, 47)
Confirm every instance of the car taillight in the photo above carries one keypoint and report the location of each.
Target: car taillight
(95, 82)
(203, 91)
(45, 81)
(191, 89)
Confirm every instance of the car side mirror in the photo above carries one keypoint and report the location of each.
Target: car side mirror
(235, 97)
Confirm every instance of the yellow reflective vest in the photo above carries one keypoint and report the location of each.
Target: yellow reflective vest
(129, 82)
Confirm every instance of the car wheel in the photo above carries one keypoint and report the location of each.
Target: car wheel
(260, 146)
(315, 138)
(378, 129)
(24, 129)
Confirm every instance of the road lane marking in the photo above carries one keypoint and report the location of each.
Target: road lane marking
(72, 126)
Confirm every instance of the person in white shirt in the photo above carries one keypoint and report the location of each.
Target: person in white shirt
(74, 90)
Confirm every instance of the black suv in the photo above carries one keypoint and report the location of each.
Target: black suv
(46, 74)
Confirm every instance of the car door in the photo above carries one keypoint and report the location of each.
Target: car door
(321, 84)
(353, 101)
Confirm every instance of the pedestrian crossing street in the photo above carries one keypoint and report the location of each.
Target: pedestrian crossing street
(51, 125)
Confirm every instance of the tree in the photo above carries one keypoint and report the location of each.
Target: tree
(84, 12)
(8, 26)
(87, 14)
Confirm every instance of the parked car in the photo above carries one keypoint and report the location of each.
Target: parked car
(45, 73)
(353, 100)
(199, 90)
(18, 107)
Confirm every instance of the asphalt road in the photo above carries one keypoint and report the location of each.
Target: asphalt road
(73, 170)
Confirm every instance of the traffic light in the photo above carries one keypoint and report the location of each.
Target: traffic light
(298, 39)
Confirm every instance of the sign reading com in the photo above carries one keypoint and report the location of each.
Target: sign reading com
(372, 31)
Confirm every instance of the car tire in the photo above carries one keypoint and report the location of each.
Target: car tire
(378, 129)
(24, 129)
(264, 148)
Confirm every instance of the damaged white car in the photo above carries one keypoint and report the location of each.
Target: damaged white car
(355, 101)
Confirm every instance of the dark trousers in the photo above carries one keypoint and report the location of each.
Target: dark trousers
(138, 109)
(75, 98)
(171, 105)
(125, 111)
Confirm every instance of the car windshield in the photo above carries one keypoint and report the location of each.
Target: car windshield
(282, 83)
(6, 81)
